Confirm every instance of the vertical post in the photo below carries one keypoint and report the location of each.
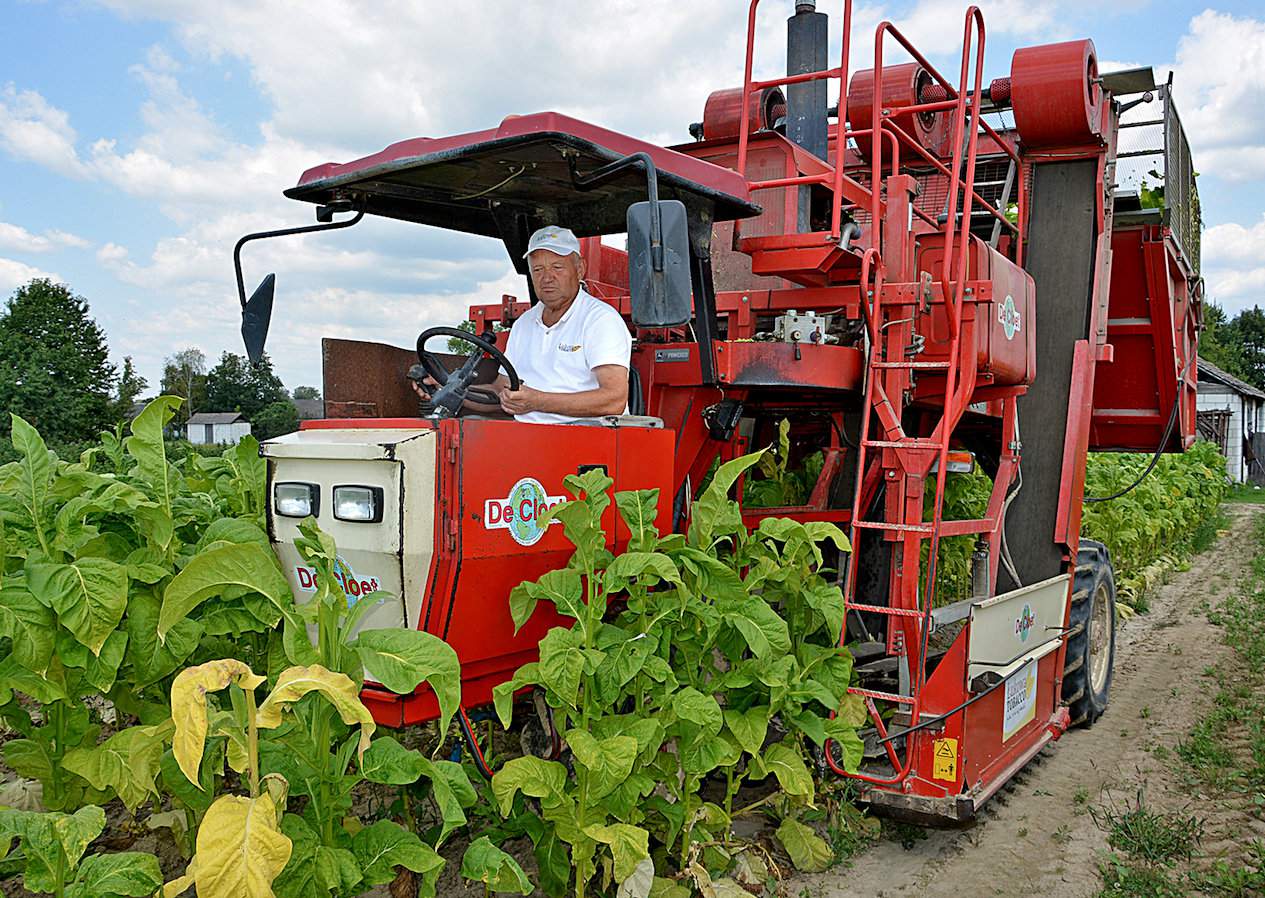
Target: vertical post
(807, 43)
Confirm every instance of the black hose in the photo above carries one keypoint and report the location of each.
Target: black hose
(1159, 450)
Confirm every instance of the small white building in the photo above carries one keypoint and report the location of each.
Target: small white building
(211, 428)
(1228, 410)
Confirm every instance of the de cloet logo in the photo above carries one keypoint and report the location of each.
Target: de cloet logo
(520, 511)
(1008, 317)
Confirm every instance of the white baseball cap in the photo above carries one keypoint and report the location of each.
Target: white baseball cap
(555, 239)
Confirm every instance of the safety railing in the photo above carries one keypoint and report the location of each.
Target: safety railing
(834, 178)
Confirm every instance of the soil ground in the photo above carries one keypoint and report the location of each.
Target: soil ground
(1039, 836)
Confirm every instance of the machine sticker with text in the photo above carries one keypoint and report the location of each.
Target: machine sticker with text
(1025, 623)
(944, 755)
(1008, 317)
(1021, 700)
(354, 586)
(520, 511)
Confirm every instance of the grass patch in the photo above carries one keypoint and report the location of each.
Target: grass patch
(1148, 835)
(1246, 492)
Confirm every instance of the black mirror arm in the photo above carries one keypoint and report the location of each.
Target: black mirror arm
(237, 250)
(601, 175)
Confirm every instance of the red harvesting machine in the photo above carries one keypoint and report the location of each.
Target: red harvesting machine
(937, 272)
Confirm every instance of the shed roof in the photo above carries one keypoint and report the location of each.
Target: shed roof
(1209, 371)
(216, 418)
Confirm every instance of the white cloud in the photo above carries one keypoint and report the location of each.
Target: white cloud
(14, 274)
(1233, 258)
(19, 239)
(33, 130)
(1220, 96)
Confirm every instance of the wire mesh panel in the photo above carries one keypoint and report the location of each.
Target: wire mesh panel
(1153, 161)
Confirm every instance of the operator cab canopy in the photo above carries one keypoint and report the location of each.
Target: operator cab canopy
(507, 181)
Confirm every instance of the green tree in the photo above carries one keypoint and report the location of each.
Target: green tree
(237, 385)
(1248, 331)
(274, 419)
(131, 385)
(184, 375)
(306, 393)
(55, 366)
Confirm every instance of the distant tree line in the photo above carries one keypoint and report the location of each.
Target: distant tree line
(55, 372)
(1235, 345)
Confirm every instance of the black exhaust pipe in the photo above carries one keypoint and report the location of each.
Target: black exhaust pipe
(807, 46)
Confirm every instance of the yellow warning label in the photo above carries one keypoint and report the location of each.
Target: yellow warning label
(945, 759)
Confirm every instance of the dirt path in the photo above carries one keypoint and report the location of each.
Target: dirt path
(1037, 838)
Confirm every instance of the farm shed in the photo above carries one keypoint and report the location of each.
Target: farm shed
(1227, 407)
(209, 428)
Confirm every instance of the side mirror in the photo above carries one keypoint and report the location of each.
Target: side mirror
(659, 273)
(256, 315)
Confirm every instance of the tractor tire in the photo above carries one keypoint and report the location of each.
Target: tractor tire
(1091, 641)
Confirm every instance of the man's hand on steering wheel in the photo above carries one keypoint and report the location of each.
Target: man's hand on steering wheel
(449, 389)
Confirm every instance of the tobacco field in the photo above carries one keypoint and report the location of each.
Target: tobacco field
(161, 690)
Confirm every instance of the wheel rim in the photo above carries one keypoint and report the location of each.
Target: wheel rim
(1101, 623)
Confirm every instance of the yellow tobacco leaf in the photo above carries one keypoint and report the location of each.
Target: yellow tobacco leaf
(240, 850)
(341, 692)
(188, 707)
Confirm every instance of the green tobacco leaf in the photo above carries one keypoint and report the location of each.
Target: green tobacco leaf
(639, 508)
(125, 873)
(561, 665)
(764, 631)
(403, 659)
(150, 658)
(29, 625)
(231, 530)
(34, 471)
(452, 791)
(47, 837)
(534, 777)
(147, 447)
(690, 704)
(561, 587)
(503, 694)
(608, 761)
(127, 763)
(387, 761)
(626, 655)
(629, 846)
(45, 688)
(220, 567)
(336, 870)
(384, 845)
(650, 566)
(89, 596)
(827, 600)
(808, 851)
(29, 759)
(749, 727)
(484, 862)
(845, 736)
(715, 514)
(784, 761)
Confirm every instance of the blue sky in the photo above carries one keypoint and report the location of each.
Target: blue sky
(140, 138)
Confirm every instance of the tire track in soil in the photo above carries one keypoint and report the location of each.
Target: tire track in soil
(1034, 837)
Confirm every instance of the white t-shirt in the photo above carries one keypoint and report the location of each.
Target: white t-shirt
(561, 359)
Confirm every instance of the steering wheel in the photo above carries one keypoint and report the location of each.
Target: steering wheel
(455, 384)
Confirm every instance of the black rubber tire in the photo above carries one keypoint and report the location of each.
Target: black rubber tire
(1094, 585)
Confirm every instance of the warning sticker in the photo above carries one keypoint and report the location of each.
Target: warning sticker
(1021, 700)
(944, 754)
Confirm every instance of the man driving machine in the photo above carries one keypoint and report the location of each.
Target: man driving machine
(571, 350)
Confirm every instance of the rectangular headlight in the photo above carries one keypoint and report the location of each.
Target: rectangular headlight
(362, 504)
(296, 500)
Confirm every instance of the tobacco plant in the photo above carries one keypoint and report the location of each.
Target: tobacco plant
(322, 750)
(86, 548)
(50, 854)
(712, 654)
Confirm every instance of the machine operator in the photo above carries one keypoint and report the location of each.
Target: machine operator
(571, 350)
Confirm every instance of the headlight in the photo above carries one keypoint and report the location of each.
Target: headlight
(296, 500)
(362, 504)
